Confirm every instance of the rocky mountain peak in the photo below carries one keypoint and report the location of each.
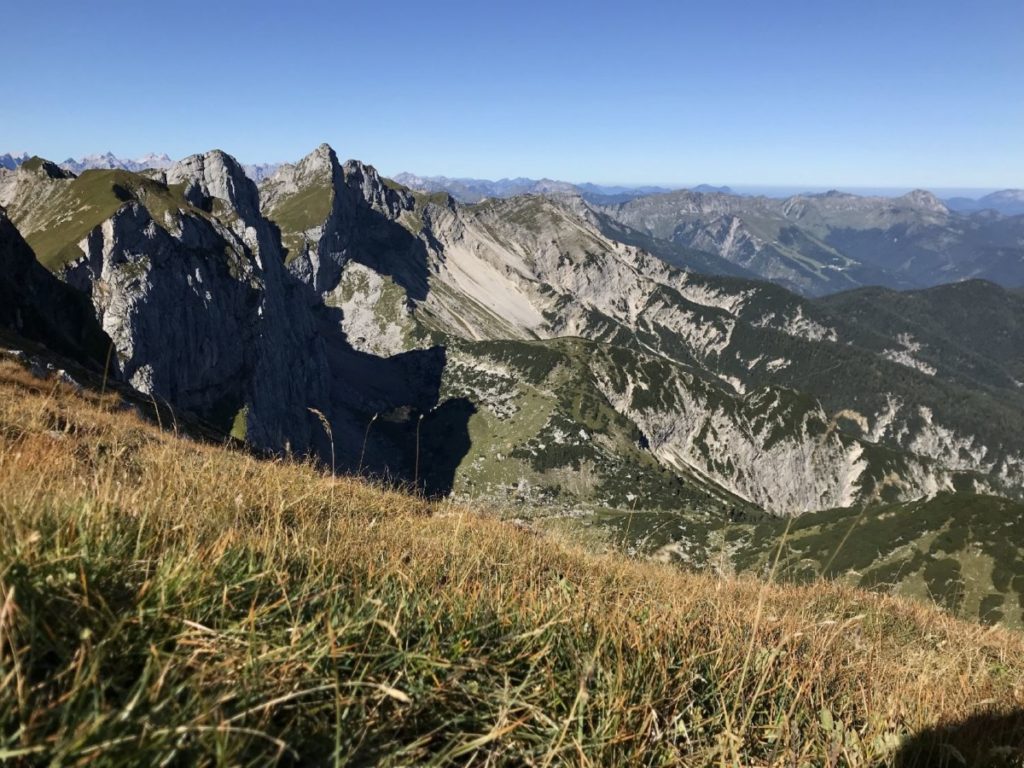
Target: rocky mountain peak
(922, 198)
(320, 165)
(357, 169)
(105, 160)
(216, 175)
(320, 168)
(42, 168)
(156, 160)
(371, 185)
(325, 151)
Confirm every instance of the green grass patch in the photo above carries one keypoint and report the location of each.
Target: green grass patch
(87, 201)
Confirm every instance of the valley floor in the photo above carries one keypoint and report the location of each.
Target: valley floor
(169, 601)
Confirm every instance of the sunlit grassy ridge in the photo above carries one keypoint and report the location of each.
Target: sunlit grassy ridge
(83, 203)
(163, 600)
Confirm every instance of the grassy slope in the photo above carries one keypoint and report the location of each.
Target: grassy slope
(298, 213)
(162, 599)
(962, 551)
(87, 201)
(966, 552)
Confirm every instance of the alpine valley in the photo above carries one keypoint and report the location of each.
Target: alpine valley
(687, 374)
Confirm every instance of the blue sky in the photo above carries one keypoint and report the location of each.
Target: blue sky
(867, 93)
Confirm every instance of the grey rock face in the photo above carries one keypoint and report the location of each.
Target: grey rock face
(154, 294)
(218, 176)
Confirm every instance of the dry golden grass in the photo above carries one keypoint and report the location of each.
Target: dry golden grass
(164, 601)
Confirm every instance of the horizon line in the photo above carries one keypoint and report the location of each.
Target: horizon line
(671, 186)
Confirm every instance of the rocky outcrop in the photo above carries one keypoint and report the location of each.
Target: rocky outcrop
(772, 447)
(216, 177)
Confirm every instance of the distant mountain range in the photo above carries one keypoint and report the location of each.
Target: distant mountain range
(12, 160)
(109, 161)
(824, 243)
(1009, 202)
(815, 244)
(469, 190)
(105, 161)
(260, 171)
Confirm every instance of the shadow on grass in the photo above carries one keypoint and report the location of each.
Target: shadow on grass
(993, 739)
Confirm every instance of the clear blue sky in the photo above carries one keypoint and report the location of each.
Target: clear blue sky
(872, 93)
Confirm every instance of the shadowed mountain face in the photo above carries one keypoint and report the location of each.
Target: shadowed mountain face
(40, 307)
(818, 244)
(533, 350)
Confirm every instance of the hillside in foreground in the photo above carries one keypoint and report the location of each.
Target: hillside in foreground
(169, 601)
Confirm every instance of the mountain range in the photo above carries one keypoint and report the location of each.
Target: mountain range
(468, 190)
(108, 161)
(815, 244)
(572, 360)
(11, 160)
(825, 243)
(1009, 202)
